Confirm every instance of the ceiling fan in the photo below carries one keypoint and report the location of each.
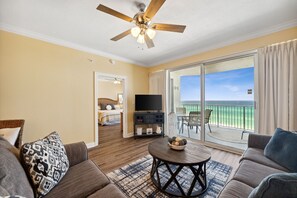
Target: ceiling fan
(144, 31)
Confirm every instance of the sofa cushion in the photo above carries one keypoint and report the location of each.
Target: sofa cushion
(46, 162)
(13, 179)
(282, 149)
(277, 185)
(5, 144)
(81, 180)
(257, 155)
(252, 173)
(110, 191)
(3, 192)
(235, 189)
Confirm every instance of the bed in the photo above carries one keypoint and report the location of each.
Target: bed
(107, 116)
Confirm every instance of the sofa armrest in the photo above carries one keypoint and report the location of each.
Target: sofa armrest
(258, 141)
(76, 153)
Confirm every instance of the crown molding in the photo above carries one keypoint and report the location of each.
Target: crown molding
(61, 42)
(273, 29)
(49, 39)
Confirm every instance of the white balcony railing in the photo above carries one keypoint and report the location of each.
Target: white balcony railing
(231, 116)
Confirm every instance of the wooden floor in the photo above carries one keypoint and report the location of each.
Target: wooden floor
(114, 151)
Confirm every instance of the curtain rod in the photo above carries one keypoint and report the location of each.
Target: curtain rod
(274, 44)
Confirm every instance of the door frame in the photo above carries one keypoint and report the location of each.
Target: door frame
(97, 76)
(202, 65)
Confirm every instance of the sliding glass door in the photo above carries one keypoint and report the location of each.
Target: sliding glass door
(184, 101)
(229, 102)
(224, 90)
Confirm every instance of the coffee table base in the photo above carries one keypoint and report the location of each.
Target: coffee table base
(199, 173)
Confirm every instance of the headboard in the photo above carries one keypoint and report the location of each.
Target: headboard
(107, 101)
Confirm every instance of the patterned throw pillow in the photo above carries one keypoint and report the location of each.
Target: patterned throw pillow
(45, 162)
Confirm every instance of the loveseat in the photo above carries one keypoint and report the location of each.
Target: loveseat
(253, 168)
(83, 178)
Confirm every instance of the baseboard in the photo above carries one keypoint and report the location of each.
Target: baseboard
(94, 144)
(128, 135)
(91, 144)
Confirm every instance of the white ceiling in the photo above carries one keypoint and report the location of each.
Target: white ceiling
(210, 24)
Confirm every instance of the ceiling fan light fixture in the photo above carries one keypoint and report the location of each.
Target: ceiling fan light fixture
(116, 81)
(143, 31)
(151, 33)
(135, 31)
(140, 39)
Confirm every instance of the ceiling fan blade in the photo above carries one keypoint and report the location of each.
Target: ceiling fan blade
(120, 36)
(153, 8)
(169, 27)
(112, 12)
(149, 42)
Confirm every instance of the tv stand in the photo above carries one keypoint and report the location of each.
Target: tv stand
(148, 124)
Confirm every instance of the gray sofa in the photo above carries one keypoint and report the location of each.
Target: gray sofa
(253, 168)
(83, 178)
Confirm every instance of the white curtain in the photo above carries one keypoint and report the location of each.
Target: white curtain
(277, 87)
(157, 85)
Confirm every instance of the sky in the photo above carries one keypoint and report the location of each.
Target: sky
(227, 85)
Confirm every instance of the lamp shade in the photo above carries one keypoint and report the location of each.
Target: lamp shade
(140, 38)
(151, 33)
(135, 31)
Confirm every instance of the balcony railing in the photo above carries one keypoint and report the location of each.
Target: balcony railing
(232, 116)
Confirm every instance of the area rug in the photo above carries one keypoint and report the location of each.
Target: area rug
(134, 179)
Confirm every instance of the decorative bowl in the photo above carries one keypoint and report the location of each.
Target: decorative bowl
(178, 148)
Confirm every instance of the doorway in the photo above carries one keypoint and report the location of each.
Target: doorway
(110, 104)
(224, 90)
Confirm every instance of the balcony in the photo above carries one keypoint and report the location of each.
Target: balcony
(227, 123)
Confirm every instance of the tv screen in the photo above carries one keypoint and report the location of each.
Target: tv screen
(148, 102)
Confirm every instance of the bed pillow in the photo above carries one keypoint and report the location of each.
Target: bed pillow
(45, 162)
(108, 107)
(102, 106)
(112, 106)
(282, 149)
(117, 107)
(10, 134)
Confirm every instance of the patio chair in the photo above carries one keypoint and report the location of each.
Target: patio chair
(207, 114)
(14, 124)
(194, 119)
(180, 111)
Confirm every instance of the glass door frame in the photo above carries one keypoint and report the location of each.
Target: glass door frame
(202, 65)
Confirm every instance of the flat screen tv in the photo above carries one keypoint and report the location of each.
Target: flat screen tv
(148, 102)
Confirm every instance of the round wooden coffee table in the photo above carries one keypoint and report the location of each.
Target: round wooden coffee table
(193, 158)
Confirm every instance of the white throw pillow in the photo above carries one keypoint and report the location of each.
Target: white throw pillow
(108, 107)
(117, 107)
(10, 134)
